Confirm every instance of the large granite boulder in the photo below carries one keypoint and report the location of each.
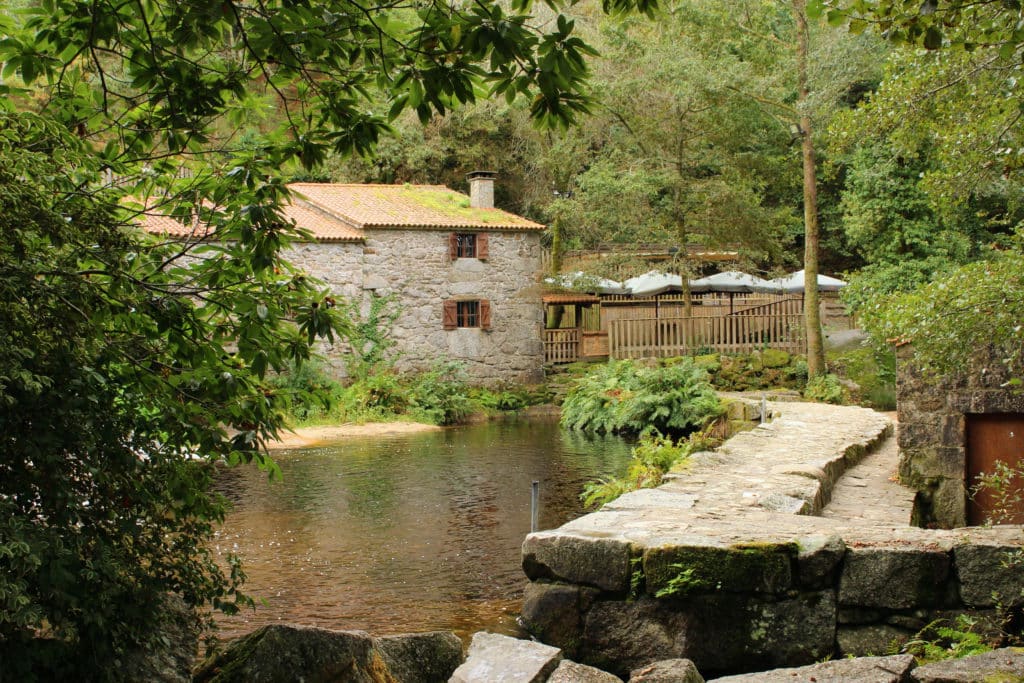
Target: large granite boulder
(667, 671)
(998, 666)
(494, 658)
(712, 630)
(571, 672)
(430, 657)
(284, 654)
(861, 670)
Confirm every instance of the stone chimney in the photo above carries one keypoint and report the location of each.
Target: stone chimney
(481, 189)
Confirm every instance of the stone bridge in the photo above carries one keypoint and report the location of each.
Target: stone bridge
(740, 563)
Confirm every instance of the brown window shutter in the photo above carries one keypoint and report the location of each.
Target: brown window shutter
(453, 246)
(485, 314)
(449, 319)
(481, 246)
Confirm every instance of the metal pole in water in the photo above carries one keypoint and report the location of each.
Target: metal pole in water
(764, 408)
(534, 504)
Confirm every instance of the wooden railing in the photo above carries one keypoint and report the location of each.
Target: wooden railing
(561, 346)
(665, 337)
(788, 305)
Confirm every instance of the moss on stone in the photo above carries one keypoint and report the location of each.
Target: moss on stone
(757, 567)
(775, 358)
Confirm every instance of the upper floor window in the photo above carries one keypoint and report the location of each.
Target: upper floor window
(467, 245)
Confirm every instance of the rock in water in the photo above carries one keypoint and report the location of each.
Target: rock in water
(284, 654)
(421, 657)
(667, 671)
(495, 658)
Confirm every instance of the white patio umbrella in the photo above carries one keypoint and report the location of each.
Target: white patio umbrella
(653, 283)
(794, 283)
(731, 281)
(582, 282)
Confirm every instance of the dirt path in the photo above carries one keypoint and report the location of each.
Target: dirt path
(304, 437)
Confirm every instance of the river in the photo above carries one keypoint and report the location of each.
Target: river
(405, 532)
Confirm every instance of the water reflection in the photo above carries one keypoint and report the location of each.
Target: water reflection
(405, 532)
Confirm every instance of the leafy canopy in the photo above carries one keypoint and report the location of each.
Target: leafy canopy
(126, 372)
(130, 365)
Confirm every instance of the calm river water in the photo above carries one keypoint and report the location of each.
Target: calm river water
(407, 532)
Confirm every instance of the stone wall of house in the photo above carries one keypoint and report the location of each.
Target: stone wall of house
(414, 265)
(932, 435)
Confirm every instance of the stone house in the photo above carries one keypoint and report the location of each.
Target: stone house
(953, 428)
(464, 273)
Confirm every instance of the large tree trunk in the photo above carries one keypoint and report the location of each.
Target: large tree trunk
(556, 247)
(812, 312)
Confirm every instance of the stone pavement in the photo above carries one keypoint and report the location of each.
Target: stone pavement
(788, 544)
(870, 492)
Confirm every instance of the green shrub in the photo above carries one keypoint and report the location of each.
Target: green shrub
(508, 399)
(309, 391)
(871, 369)
(824, 389)
(942, 639)
(653, 456)
(621, 397)
(440, 395)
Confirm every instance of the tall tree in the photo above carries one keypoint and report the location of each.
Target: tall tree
(130, 366)
(812, 311)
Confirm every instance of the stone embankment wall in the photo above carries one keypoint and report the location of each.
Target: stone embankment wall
(727, 564)
(933, 429)
(414, 265)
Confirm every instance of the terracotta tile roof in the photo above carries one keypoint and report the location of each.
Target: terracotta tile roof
(336, 212)
(406, 206)
(323, 226)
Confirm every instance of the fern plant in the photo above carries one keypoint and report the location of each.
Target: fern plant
(619, 396)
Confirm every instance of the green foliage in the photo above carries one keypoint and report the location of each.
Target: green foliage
(368, 335)
(681, 584)
(636, 577)
(872, 369)
(503, 399)
(824, 389)
(620, 396)
(126, 373)
(973, 307)
(440, 395)
(1004, 488)
(942, 639)
(653, 456)
(758, 370)
(307, 390)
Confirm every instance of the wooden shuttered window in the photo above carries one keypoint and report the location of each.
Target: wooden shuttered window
(472, 314)
(467, 245)
(485, 314)
(453, 246)
(450, 315)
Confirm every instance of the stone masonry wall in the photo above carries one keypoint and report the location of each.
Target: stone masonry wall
(932, 434)
(728, 565)
(414, 265)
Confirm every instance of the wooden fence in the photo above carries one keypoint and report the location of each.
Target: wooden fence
(664, 337)
(562, 346)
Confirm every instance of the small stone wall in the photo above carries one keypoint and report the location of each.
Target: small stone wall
(414, 265)
(932, 437)
(727, 564)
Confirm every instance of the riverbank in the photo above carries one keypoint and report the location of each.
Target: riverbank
(306, 437)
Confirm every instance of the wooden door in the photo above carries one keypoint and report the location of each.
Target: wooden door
(992, 438)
